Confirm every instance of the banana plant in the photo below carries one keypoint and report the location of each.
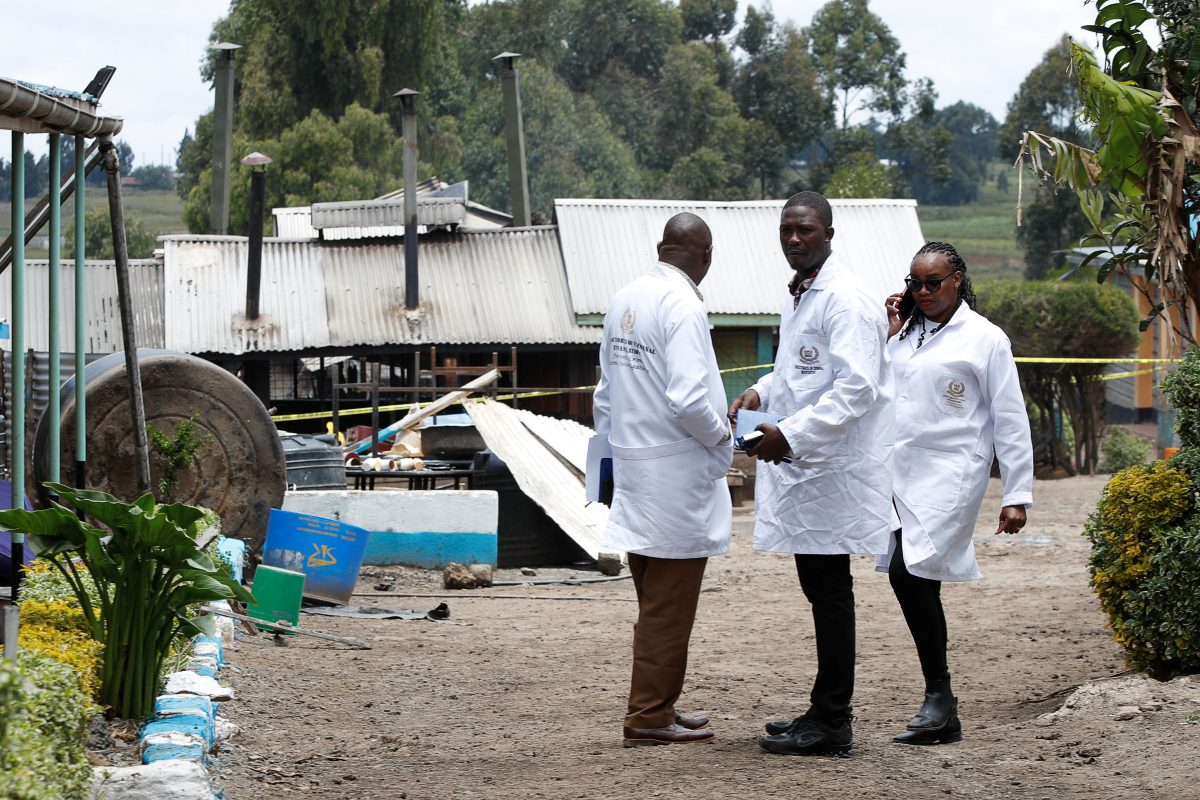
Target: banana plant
(148, 571)
(1144, 107)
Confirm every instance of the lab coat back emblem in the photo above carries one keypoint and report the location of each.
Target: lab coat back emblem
(628, 322)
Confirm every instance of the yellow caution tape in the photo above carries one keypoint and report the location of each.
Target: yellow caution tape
(350, 412)
(1034, 360)
(1113, 376)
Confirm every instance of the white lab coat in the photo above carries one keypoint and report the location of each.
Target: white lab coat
(661, 402)
(959, 400)
(833, 383)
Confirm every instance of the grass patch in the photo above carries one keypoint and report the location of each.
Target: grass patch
(985, 232)
(159, 210)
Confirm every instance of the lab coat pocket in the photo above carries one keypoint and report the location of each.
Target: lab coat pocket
(934, 478)
(955, 394)
(667, 494)
(809, 368)
(718, 459)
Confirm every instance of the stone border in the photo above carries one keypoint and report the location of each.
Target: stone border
(186, 727)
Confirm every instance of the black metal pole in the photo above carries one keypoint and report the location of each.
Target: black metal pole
(258, 182)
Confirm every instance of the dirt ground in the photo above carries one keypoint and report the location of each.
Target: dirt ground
(525, 700)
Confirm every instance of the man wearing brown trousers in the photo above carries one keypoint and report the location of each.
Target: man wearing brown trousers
(661, 403)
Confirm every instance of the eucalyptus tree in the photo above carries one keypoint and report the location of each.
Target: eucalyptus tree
(859, 59)
(777, 81)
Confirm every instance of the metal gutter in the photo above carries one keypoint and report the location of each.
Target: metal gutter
(29, 110)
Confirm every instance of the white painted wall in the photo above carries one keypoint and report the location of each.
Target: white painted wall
(402, 512)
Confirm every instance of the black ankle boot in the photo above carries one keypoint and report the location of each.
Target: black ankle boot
(937, 720)
(949, 732)
(940, 703)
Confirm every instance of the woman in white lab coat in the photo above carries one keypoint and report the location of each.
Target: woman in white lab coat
(958, 403)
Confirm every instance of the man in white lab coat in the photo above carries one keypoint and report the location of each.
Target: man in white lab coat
(661, 403)
(823, 485)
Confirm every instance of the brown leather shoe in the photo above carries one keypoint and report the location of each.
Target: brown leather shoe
(692, 723)
(671, 734)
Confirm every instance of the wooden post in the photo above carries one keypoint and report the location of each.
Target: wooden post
(141, 447)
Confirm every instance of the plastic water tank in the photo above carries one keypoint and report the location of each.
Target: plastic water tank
(312, 464)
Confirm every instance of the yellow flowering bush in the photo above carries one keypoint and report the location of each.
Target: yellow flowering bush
(1145, 563)
(41, 581)
(60, 630)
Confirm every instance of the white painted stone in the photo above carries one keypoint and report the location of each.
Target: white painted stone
(162, 780)
(402, 512)
(173, 738)
(210, 649)
(191, 683)
(226, 730)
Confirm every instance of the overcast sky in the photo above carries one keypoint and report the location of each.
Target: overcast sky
(973, 50)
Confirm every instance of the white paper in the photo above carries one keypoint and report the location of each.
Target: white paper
(747, 421)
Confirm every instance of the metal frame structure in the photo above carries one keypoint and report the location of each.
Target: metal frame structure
(30, 109)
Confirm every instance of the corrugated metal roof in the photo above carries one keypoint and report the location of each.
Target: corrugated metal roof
(296, 223)
(507, 286)
(540, 474)
(438, 203)
(566, 437)
(608, 243)
(100, 304)
(205, 288)
(387, 213)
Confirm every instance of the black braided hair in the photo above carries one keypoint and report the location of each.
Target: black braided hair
(966, 292)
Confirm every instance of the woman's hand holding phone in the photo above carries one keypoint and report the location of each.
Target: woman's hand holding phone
(899, 308)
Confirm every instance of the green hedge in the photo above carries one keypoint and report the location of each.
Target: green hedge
(1145, 563)
(43, 730)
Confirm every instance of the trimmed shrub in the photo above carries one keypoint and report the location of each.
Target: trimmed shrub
(1122, 450)
(1145, 563)
(43, 730)
(1182, 388)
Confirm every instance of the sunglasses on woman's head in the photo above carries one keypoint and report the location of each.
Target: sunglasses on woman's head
(932, 284)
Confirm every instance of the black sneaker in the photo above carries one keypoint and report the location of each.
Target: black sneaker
(784, 725)
(811, 737)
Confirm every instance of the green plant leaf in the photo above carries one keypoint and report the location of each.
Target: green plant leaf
(181, 514)
(56, 526)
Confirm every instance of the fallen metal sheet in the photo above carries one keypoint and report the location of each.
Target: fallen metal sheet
(541, 475)
(564, 436)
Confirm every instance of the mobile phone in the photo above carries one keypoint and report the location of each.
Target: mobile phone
(907, 304)
(749, 440)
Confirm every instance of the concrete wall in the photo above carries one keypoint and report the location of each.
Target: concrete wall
(423, 529)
